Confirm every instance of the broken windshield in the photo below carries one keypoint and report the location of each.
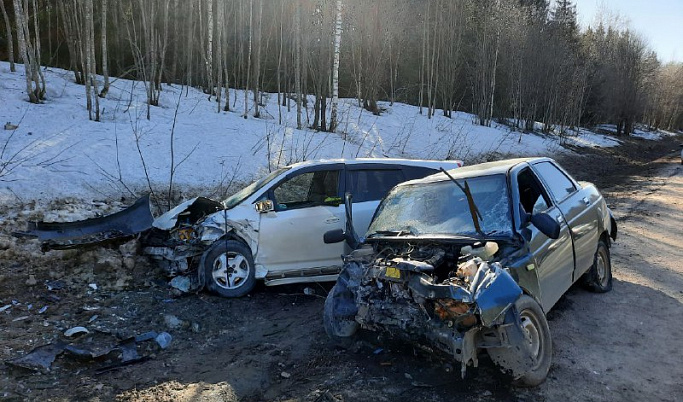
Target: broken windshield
(441, 208)
(241, 195)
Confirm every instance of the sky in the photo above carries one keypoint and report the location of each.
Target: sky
(660, 22)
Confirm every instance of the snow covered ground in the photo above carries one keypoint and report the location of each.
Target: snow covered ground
(57, 152)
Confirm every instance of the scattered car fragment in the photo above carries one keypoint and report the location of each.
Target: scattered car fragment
(473, 259)
(124, 352)
(66, 235)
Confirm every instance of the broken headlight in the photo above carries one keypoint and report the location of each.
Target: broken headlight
(210, 234)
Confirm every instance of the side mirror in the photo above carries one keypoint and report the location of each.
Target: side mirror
(547, 225)
(334, 236)
(264, 206)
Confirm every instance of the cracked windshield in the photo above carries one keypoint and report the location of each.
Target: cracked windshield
(442, 208)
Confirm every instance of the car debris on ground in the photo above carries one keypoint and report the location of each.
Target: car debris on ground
(113, 353)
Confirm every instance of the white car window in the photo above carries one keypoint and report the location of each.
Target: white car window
(307, 190)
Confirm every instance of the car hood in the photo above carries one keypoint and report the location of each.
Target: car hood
(188, 212)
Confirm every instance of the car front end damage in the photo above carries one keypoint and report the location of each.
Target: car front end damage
(441, 296)
(179, 238)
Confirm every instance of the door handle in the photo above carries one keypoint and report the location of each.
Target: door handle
(560, 219)
(586, 201)
(332, 220)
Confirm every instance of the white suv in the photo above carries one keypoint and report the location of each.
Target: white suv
(273, 229)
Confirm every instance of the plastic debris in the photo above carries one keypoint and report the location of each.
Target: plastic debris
(93, 318)
(163, 340)
(40, 358)
(182, 283)
(5, 307)
(42, 310)
(92, 286)
(76, 330)
(54, 285)
(147, 336)
(31, 281)
(173, 322)
(123, 352)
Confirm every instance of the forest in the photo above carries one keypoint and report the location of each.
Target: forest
(515, 62)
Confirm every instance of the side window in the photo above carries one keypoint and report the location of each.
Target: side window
(307, 190)
(558, 183)
(416, 172)
(531, 194)
(372, 185)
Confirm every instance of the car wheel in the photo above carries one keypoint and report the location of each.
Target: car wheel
(537, 345)
(229, 268)
(599, 276)
(339, 315)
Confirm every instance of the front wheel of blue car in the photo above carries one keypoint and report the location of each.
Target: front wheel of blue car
(339, 315)
(529, 360)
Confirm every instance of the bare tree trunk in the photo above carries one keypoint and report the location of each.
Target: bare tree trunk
(246, 89)
(209, 47)
(335, 67)
(26, 52)
(103, 40)
(218, 68)
(297, 64)
(257, 61)
(425, 41)
(10, 39)
(36, 48)
(189, 47)
(279, 65)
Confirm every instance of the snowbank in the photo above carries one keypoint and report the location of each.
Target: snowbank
(57, 152)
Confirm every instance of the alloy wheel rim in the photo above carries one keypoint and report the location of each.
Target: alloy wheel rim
(230, 270)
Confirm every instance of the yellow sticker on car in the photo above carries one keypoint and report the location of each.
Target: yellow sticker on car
(392, 272)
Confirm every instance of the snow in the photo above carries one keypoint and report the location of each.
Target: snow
(56, 152)
(651, 135)
(588, 139)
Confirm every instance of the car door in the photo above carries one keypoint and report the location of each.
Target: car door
(575, 204)
(369, 183)
(554, 257)
(306, 205)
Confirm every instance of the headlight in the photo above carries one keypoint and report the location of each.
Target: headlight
(211, 234)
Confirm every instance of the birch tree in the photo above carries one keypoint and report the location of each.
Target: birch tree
(335, 66)
(35, 82)
(10, 39)
(104, 51)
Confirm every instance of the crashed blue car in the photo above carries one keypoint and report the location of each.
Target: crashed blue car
(472, 259)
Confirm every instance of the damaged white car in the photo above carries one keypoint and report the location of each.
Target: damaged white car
(271, 230)
(471, 260)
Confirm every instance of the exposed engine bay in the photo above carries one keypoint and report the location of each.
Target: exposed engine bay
(438, 295)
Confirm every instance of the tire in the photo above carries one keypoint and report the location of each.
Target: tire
(229, 268)
(340, 322)
(537, 342)
(599, 277)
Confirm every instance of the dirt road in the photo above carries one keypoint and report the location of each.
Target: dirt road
(626, 345)
(621, 346)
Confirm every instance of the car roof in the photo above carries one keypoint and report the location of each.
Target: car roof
(481, 169)
(384, 161)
